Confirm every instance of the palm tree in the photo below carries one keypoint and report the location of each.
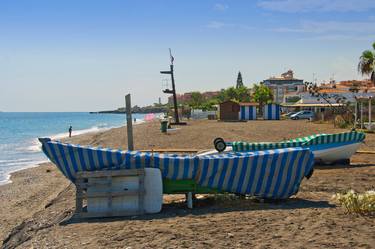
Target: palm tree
(366, 65)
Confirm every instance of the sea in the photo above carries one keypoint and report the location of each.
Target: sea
(19, 132)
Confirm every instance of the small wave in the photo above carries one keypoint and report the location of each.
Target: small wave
(31, 146)
(5, 174)
(13, 163)
(103, 125)
(35, 146)
(5, 180)
(15, 160)
(139, 121)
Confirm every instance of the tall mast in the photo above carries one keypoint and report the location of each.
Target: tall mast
(173, 91)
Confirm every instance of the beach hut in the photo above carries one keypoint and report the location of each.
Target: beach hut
(271, 112)
(248, 111)
(229, 111)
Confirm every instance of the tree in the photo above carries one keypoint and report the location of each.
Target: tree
(239, 80)
(196, 100)
(240, 94)
(243, 94)
(366, 65)
(230, 93)
(331, 99)
(209, 105)
(262, 94)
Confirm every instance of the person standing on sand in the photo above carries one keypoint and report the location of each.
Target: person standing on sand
(70, 131)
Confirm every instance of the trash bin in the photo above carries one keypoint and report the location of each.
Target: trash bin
(164, 125)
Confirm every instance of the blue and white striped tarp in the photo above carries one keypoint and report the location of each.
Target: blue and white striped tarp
(269, 174)
(273, 174)
(247, 113)
(271, 112)
(305, 142)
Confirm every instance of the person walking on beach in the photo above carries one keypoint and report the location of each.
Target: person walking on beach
(70, 131)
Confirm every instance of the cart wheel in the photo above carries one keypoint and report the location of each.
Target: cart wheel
(220, 145)
(218, 139)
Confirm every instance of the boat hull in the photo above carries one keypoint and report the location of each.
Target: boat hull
(327, 148)
(335, 153)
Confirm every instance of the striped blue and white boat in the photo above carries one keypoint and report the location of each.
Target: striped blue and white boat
(273, 174)
(327, 148)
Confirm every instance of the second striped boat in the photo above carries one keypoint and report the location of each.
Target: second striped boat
(327, 148)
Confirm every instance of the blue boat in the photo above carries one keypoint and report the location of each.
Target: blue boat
(327, 148)
(274, 174)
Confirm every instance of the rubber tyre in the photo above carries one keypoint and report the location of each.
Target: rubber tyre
(218, 139)
(220, 146)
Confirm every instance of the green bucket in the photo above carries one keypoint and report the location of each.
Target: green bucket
(164, 125)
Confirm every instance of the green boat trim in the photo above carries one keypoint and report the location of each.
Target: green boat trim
(185, 186)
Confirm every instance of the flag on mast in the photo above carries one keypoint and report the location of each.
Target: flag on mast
(172, 58)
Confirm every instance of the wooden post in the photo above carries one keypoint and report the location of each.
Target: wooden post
(361, 114)
(129, 122)
(189, 200)
(355, 113)
(369, 114)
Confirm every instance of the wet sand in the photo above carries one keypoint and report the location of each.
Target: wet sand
(37, 207)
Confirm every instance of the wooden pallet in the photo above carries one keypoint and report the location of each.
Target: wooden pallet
(82, 185)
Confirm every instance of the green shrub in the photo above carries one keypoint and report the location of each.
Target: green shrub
(362, 203)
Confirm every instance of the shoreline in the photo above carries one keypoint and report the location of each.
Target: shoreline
(9, 176)
(62, 136)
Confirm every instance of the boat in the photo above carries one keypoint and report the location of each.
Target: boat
(273, 174)
(327, 148)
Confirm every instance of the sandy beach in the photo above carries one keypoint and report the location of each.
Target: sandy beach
(37, 206)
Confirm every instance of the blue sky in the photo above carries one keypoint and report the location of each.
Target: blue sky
(86, 55)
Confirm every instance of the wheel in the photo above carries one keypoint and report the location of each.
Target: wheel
(218, 139)
(220, 145)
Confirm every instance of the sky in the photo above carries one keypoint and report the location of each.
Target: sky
(85, 55)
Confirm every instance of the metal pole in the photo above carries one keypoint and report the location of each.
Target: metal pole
(129, 122)
(177, 120)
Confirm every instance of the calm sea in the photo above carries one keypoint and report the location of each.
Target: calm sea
(19, 147)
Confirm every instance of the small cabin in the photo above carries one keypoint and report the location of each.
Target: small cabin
(248, 111)
(271, 112)
(229, 110)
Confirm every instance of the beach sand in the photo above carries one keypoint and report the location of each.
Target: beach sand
(36, 207)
